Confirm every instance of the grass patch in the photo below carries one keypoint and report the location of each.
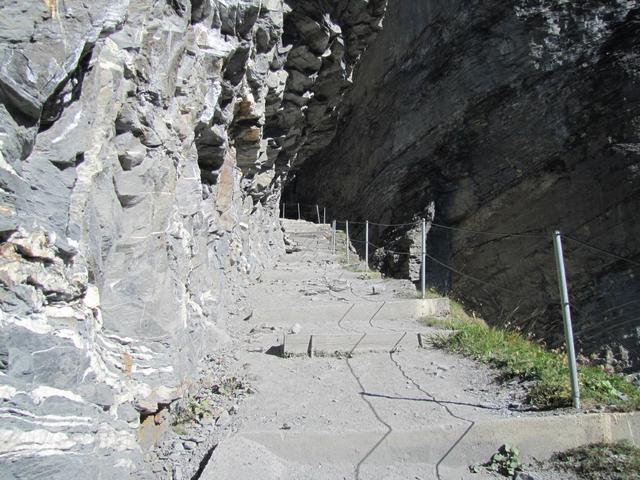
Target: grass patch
(206, 403)
(517, 357)
(437, 322)
(457, 317)
(602, 461)
(430, 293)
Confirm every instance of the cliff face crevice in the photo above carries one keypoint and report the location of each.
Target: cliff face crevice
(140, 179)
(505, 117)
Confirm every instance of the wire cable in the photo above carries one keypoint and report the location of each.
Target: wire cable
(497, 234)
(601, 250)
(417, 222)
(478, 280)
(532, 234)
(378, 247)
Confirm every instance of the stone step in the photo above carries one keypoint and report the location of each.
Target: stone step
(337, 317)
(298, 454)
(326, 344)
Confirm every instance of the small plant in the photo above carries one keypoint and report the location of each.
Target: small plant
(190, 410)
(229, 386)
(506, 461)
(203, 404)
(602, 386)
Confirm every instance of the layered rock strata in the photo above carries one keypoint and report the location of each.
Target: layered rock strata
(139, 189)
(517, 116)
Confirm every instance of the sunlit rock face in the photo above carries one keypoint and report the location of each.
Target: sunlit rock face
(143, 145)
(517, 116)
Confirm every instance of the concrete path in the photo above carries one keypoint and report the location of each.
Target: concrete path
(406, 413)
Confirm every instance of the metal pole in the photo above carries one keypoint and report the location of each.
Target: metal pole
(566, 315)
(318, 212)
(333, 237)
(298, 211)
(347, 241)
(366, 246)
(283, 208)
(423, 266)
(324, 215)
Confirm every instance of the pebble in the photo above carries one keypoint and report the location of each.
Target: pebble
(224, 419)
(177, 447)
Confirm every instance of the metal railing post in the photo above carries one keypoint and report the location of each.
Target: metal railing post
(423, 265)
(566, 315)
(333, 237)
(366, 246)
(299, 211)
(318, 212)
(324, 214)
(347, 242)
(284, 209)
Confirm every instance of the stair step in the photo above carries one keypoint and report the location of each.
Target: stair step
(294, 344)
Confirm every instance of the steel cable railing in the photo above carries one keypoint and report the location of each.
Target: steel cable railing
(587, 329)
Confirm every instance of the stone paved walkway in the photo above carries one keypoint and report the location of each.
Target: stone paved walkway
(414, 413)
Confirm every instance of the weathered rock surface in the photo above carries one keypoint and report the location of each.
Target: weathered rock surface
(517, 116)
(139, 194)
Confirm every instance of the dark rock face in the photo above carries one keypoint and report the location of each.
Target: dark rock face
(139, 194)
(327, 38)
(518, 116)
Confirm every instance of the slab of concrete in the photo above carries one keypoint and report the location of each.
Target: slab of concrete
(421, 451)
(360, 316)
(318, 344)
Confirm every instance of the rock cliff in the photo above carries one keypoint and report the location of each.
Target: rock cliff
(145, 146)
(143, 149)
(518, 116)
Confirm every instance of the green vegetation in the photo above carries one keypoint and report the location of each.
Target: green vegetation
(430, 293)
(436, 322)
(517, 357)
(601, 461)
(191, 410)
(506, 461)
(195, 408)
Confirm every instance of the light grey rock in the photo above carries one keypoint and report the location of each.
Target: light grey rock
(525, 476)
(224, 419)
(131, 152)
(143, 149)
